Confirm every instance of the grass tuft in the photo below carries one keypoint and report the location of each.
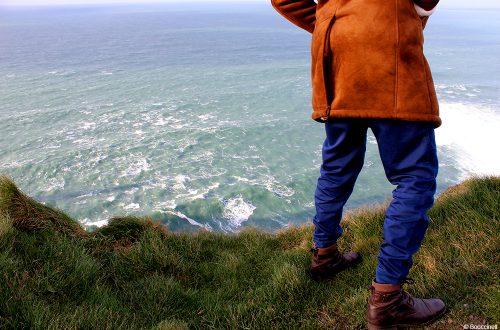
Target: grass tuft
(5, 225)
(133, 273)
(29, 215)
(171, 325)
(128, 230)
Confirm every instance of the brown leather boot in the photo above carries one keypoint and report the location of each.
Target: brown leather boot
(390, 307)
(329, 261)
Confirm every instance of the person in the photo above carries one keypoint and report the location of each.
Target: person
(369, 71)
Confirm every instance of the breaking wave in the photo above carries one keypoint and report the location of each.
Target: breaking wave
(471, 132)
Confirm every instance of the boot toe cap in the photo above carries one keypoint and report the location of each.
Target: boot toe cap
(436, 306)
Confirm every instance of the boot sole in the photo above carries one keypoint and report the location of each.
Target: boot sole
(399, 326)
(324, 278)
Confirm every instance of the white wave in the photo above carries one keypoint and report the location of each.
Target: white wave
(100, 156)
(239, 178)
(208, 129)
(165, 205)
(371, 139)
(279, 190)
(194, 194)
(61, 73)
(369, 163)
(89, 194)
(191, 221)
(97, 223)
(136, 168)
(472, 132)
(54, 183)
(185, 143)
(237, 211)
(215, 185)
(205, 117)
(179, 182)
(87, 141)
(459, 87)
(14, 164)
(310, 204)
(179, 126)
(131, 191)
(161, 122)
(52, 146)
(132, 206)
(206, 156)
(88, 126)
(271, 185)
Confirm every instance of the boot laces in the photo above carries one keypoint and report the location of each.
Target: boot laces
(408, 297)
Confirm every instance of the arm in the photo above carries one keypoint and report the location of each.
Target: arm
(426, 5)
(300, 12)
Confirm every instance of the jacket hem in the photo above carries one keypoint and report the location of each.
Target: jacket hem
(382, 114)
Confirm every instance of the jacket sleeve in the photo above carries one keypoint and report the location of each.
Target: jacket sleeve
(425, 8)
(300, 12)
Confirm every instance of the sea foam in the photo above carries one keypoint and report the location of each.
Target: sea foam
(237, 211)
(472, 132)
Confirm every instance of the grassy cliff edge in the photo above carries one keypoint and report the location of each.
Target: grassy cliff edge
(133, 273)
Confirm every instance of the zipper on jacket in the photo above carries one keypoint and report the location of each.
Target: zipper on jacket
(327, 68)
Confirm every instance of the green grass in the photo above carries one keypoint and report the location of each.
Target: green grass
(133, 273)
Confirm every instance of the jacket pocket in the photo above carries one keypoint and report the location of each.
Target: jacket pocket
(321, 67)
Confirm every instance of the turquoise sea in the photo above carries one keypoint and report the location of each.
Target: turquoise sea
(199, 115)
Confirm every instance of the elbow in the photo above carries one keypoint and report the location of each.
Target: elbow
(426, 5)
(422, 12)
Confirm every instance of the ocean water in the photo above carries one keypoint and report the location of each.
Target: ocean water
(200, 116)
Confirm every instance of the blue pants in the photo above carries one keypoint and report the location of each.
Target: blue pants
(408, 153)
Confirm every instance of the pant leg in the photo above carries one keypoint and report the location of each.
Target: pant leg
(408, 153)
(343, 156)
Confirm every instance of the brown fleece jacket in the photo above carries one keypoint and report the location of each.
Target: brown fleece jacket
(367, 59)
